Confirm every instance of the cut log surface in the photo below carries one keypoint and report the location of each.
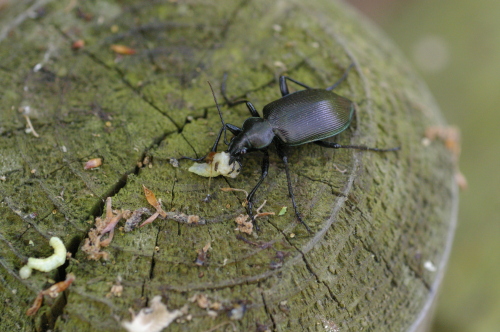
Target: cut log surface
(125, 81)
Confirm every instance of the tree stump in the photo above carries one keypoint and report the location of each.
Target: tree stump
(382, 222)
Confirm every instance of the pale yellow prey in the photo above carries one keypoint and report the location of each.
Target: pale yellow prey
(219, 165)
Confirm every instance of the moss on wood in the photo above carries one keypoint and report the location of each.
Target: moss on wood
(376, 217)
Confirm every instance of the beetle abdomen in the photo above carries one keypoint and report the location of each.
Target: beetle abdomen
(309, 115)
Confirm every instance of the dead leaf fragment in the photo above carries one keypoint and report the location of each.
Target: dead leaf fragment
(36, 305)
(450, 135)
(78, 44)
(122, 49)
(150, 197)
(93, 163)
(53, 291)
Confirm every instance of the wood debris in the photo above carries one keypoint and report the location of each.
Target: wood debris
(245, 225)
(94, 242)
(116, 289)
(212, 307)
(153, 319)
(134, 218)
(29, 125)
(160, 213)
(202, 255)
(239, 190)
(450, 135)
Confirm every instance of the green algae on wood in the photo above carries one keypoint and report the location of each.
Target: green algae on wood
(374, 224)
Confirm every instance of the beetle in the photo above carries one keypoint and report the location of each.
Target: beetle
(305, 116)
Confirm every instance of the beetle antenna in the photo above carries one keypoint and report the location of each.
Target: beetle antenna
(220, 113)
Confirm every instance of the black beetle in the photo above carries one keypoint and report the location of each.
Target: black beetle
(304, 116)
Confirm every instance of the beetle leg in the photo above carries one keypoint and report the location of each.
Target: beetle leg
(252, 109)
(233, 129)
(230, 103)
(265, 169)
(330, 88)
(216, 143)
(282, 155)
(284, 86)
(249, 105)
(358, 147)
(223, 90)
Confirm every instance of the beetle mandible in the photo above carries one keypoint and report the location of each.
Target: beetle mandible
(304, 116)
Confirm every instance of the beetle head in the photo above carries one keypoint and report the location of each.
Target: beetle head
(237, 148)
(256, 134)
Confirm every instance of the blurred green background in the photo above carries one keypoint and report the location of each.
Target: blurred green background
(455, 45)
